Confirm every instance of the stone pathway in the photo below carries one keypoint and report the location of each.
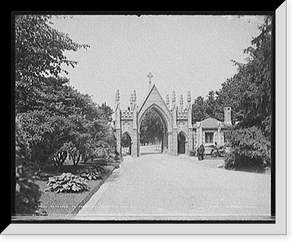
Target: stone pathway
(162, 187)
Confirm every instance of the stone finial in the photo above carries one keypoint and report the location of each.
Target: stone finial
(174, 97)
(181, 99)
(117, 96)
(167, 99)
(134, 96)
(189, 98)
(131, 99)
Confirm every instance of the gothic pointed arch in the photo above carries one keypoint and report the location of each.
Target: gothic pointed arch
(182, 142)
(126, 132)
(183, 133)
(153, 100)
(175, 120)
(159, 111)
(127, 143)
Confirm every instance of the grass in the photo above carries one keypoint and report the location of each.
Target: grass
(63, 203)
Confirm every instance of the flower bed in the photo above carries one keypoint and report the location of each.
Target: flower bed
(61, 204)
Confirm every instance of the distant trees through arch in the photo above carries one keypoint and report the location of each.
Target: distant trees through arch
(152, 130)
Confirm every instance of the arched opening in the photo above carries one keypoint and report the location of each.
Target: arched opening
(181, 149)
(153, 132)
(126, 143)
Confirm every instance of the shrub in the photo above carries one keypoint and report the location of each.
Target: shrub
(105, 155)
(229, 159)
(27, 194)
(66, 183)
(249, 148)
(92, 173)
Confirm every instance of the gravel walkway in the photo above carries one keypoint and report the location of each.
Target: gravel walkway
(162, 187)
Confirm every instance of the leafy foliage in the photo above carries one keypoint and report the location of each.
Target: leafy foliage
(210, 107)
(126, 140)
(256, 102)
(27, 193)
(39, 51)
(104, 153)
(249, 94)
(106, 111)
(252, 139)
(250, 149)
(151, 127)
(60, 156)
(22, 146)
(94, 173)
(66, 183)
(74, 153)
(198, 109)
(53, 120)
(46, 136)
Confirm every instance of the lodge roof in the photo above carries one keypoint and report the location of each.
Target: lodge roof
(212, 123)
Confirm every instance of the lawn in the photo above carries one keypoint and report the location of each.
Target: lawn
(56, 204)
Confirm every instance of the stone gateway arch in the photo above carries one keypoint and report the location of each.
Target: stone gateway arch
(176, 120)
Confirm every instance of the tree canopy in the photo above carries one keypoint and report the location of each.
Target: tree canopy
(151, 127)
(249, 94)
(53, 119)
(39, 56)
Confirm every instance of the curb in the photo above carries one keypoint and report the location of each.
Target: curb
(79, 206)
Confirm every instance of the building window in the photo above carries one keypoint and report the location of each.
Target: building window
(209, 137)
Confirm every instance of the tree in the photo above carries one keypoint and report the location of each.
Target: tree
(87, 136)
(203, 109)
(46, 135)
(211, 102)
(151, 127)
(251, 149)
(251, 139)
(106, 111)
(39, 55)
(257, 98)
(125, 140)
(230, 95)
(198, 109)
(27, 193)
(249, 94)
(41, 123)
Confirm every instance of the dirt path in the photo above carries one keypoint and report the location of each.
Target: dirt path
(158, 186)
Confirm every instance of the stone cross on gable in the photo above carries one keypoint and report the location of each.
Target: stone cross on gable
(150, 76)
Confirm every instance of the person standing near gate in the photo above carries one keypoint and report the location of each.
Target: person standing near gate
(198, 153)
(202, 150)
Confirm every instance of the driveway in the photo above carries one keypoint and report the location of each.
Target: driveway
(162, 187)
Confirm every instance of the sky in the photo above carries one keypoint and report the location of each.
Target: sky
(183, 53)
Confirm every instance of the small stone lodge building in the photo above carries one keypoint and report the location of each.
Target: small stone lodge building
(212, 131)
(180, 135)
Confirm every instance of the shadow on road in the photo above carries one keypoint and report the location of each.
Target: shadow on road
(150, 153)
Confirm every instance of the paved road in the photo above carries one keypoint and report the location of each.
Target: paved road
(158, 186)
